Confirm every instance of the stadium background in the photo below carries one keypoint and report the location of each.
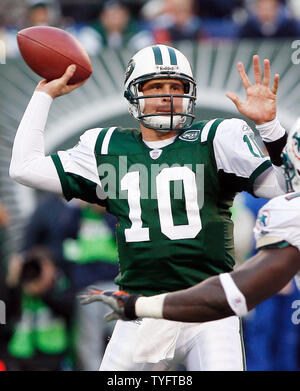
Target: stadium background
(214, 47)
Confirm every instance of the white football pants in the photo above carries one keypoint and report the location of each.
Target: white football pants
(209, 346)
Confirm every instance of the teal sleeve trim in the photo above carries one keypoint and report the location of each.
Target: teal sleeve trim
(281, 244)
(213, 129)
(210, 139)
(62, 177)
(99, 141)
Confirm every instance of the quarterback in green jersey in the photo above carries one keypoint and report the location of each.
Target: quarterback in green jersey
(171, 184)
(277, 234)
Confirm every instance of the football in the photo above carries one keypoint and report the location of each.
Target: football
(48, 51)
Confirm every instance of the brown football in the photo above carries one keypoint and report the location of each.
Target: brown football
(48, 51)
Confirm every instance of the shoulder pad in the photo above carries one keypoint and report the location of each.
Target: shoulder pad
(279, 220)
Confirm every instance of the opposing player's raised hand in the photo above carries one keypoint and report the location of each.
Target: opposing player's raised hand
(60, 86)
(260, 104)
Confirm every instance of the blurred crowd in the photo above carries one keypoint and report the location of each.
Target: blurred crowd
(66, 247)
(138, 23)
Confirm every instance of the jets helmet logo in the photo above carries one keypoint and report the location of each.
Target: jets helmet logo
(129, 69)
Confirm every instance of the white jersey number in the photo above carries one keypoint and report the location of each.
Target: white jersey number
(131, 183)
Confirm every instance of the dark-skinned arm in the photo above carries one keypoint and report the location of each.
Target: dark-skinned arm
(258, 279)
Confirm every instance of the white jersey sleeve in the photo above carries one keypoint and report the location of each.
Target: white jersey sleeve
(241, 160)
(278, 222)
(29, 165)
(77, 168)
(236, 151)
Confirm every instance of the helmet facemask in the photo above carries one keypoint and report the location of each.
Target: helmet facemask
(160, 62)
(163, 122)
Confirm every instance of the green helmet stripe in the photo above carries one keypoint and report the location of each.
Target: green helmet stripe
(173, 58)
(157, 55)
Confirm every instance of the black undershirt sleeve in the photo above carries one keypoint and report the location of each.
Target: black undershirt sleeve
(275, 148)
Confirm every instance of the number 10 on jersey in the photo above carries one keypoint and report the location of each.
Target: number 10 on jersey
(193, 194)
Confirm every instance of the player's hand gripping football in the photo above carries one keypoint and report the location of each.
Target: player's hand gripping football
(122, 303)
(60, 86)
(260, 104)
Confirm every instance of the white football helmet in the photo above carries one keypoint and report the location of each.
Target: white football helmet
(160, 62)
(291, 159)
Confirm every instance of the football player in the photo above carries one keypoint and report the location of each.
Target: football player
(277, 234)
(171, 185)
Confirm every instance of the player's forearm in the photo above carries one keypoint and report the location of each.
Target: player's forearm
(29, 165)
(32, 126)
(266, 273)
(201, 303)
(275, 148)
(256, 280)
(274, 137)
(273, 183)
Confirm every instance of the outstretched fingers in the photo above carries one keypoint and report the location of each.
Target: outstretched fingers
(257, 70)
(267, 73)
(243, 75)
(235, 99)
(276, 83)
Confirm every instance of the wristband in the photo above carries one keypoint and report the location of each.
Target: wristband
(234, 296)
(150, 307)
(129, 306)
(271, 131)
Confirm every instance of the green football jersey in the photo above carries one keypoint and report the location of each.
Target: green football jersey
(172, 203)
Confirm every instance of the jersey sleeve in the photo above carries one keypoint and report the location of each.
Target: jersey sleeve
(77, 169)
(238, 157)
(278, 223)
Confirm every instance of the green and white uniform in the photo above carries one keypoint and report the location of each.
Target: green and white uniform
(167, 240)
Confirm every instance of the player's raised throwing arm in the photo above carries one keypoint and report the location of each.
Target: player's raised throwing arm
(29, 165)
